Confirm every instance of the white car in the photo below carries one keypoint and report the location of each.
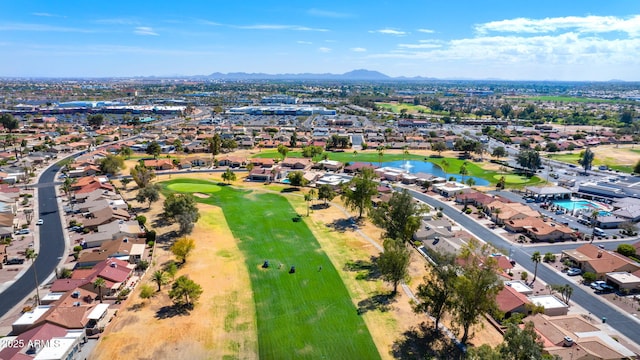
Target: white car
(40, 222)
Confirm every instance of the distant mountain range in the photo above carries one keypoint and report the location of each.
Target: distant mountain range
(360, 74)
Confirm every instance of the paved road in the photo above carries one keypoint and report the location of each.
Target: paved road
(52, 245)
(598, 307)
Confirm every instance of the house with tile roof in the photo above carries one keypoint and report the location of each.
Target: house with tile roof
(591, 258)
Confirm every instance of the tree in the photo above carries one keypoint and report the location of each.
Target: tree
(626, 250)
(636, 167)
(476, 287)
(229, 176)
(296, 178)
(171, 269)
(182, 248)
(9, 122)
(565, 292)
(380, 154)
(283, 150)
(529, 159)
(439, 147)
(293, 141)
(436, 294)
(99, 283)
(628, 228)
(160, 278)
(358, 192)
(125, 181)
(394, 262)
(587, 159)
(146, 291)
(535, 257)
(126, 152)
(594, 222)
(463, 171)
(326, 193)
(142, 175)
(399, 217)
(95, 120)
(499, 151)
(30, 254)
(185, 292)
(214, 143)
(183, 209)
(149, 193)
(521, 344)
(154, 149)
(111, 164)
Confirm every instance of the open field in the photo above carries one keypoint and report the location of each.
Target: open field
(621, 158)
(570, 99)
(410, 108)
(308, 314)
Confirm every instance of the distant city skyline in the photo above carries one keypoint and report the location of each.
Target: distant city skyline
(494, 39)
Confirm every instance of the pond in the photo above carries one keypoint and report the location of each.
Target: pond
(415, 166)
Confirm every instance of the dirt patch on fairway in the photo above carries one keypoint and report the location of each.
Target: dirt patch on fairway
(221, 325)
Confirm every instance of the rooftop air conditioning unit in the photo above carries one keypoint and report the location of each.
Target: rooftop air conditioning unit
(75, 294)
(77, 303)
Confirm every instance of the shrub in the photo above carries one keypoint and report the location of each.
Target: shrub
(362, 275)
(77, 248)
(141, 219)
(549, 257)
(151, 235)
(589, 277)
(524, 276)
(151, 243)
(468, 211)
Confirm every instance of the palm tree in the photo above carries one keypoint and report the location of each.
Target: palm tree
(31, 254)
(160, 278)
(464, 171)
(535, 257)
(594, 220)
(99, 283)
(380, 155)
(444, 164)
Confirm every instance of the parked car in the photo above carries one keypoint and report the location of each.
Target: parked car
(601, 287)
(22, 232)
(76, 228)
(40, 222)
(15, 261)
(574, 272)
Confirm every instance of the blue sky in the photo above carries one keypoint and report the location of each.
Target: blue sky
(507, 39)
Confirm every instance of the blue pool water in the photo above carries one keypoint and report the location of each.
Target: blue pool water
(571, 205)
(414, 167)
(286, 181)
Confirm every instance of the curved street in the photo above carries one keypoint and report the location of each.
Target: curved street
(522, 255)
(51, 249)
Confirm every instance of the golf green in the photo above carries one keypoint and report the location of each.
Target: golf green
(307, 314)
(194, 187)
(513, 179)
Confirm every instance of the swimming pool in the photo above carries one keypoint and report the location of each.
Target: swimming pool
(571, 205)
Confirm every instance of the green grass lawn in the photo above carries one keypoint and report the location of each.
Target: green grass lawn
(513, 179)
(306, 315)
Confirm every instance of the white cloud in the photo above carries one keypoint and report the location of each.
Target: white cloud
(278, 27)
(118, 21)
(389, 32)
(324, 49)
(46, 14)
(426, 31)
(144, 30)
(586, 24)
(327, 13)
(41, 27)
(304, 42)
(419, 46)
(358, 49)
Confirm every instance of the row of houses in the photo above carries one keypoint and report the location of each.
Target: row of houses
(75, 309)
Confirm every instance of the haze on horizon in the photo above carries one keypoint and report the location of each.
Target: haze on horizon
(511, 40)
